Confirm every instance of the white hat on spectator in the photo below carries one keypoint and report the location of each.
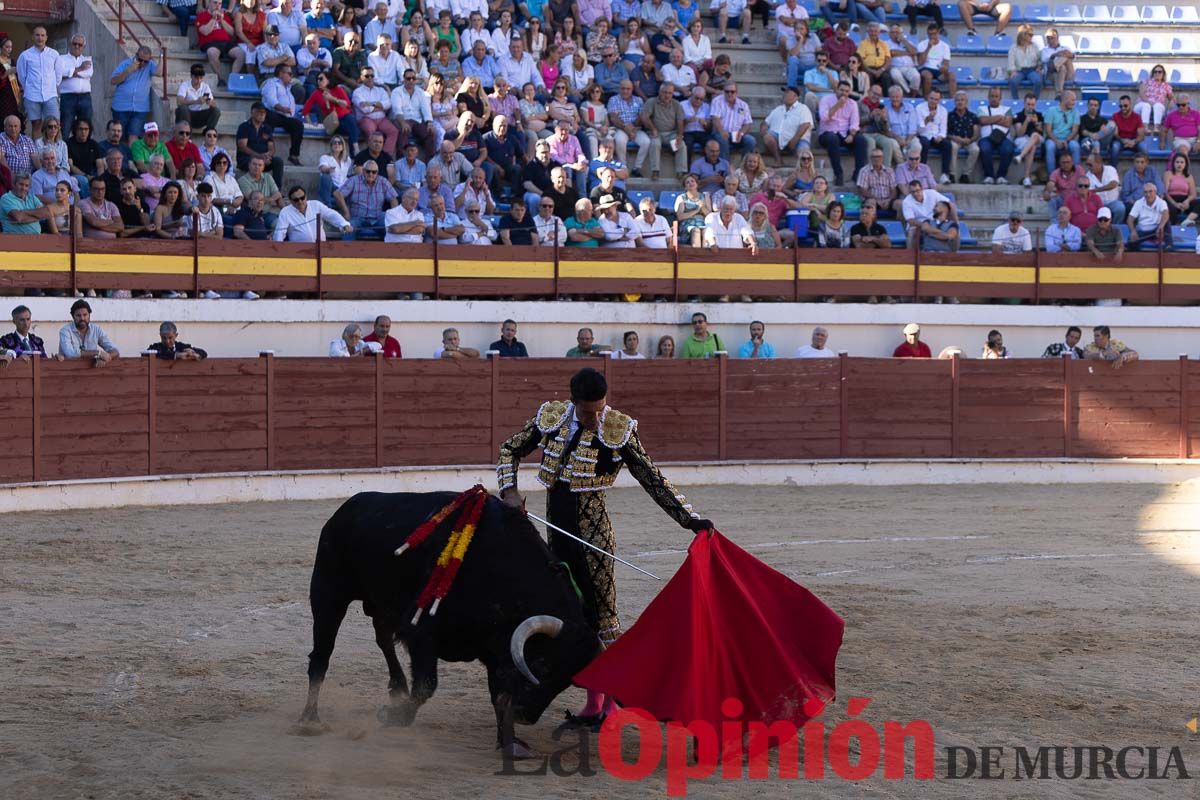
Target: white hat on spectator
(150, 127)
(1104, 213)
(911, 328)
(607, 201)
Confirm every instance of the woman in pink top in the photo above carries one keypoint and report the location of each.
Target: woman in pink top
(1154, 94)
(1181, 191)
(549, 65)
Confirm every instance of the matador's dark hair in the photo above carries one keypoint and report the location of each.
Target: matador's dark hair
(588, 385)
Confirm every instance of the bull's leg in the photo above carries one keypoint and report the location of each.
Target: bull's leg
(400, 709)
(328, 610)
(506, 739)
(423, 655)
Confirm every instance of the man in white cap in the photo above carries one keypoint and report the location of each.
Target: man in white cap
(616, 224)
(1012, 237)
(912, 347)
(817, 349)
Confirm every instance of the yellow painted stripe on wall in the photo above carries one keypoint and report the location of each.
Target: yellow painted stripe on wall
(1096, 275)
(740, 272)
(949, 274)
(133, 263)
(232, 265)
(381, 267)
(1181, 277)
(616, 269)
(856, 272)
(37, 262)
(495, 269)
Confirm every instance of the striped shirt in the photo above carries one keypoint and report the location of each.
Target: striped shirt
(18, 155)
(733, 115)
(366, 200)
(626, 110)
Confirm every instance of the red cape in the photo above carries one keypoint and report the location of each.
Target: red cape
(725, 626)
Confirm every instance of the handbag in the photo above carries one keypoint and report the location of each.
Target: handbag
(997, 136)
(331, 123)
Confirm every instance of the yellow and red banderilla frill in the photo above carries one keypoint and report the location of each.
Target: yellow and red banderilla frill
(469, 506)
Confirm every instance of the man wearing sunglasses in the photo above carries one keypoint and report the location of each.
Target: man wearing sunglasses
(1182, 126)
(298, 222)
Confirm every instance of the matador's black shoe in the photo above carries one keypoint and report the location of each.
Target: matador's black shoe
(590, 721)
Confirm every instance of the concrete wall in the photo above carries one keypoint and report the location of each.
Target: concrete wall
(305, 328)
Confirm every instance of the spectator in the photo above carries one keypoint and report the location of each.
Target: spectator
(757, 346)
(1069, 347)
(840, 46)
(629, 340)
(20, 209)
(171, 213)
(1182, 126)
(1083, 205)
(454, 166)
(216, 37)
(412, 114)
(1058, 61)
(475, 190)
(1128, 130)
(169, 348)
(923, 8)
(732, 188)
(79, 338)
(878, 182)
(181, 149)
(1062, 236)
(1061, 124)
(1154, 95)
(962, 129)
(351, 343)
(773, 198)
(819, 82)
(151, 145)
(913, 169)
(563, 195)
(876, 129)
(1028, 135)
(624, 113)
(273, 53)
(994, 348)
(302, 221)
(616, 224)
(1103, 239)
(817, 200)
(1012, 238)
(256, 138)
(410, 170)
(441, 225)
(349, 61)
(227, 193)
(320, 23)
(196, 104)
(817, 348)
(835, 232)
(665, 348)
(364, 199)
(131, 97)
(477, 229)
(933, 61)
(251, 220)
(585, 345)
(839, 128)
(371, 104)
(1105, 184)
(1068, 176)
(505, 153)
(1134, 179)
(314, 60)
(43, 181)
(912, 347)
(451, 348)
(517, 227)
(37, 70)
(663, 119)
(651, 229)
(278, 95)
(1095, 131)
(867, 232)
(550, 227)
(732, 123)
(434, 186)
(712, 168)
(374, 152)
(206, 215)
(583, 229)
(22, 342)
(379, 336)
(1025, 63)
(17, 151)
(209, 148)
(995, 125)
(73, 71)
(788, 127)
(727, 229)
(83, 153)
(680, 75)
(702, 343)
(256, 179)
(507, 345)
(1148, 221)
(379, 25)
(918, 207)
(1106, 348)
(249, 25)
(940, 234)
(933, 127)
(1181, 191)
(519, 67)
(609, 73)
(405, 223)
(133, 220)
(386, 62)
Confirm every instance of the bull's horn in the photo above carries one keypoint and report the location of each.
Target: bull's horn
(543, 623)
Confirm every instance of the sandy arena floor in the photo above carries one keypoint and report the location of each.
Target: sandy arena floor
(160, 652)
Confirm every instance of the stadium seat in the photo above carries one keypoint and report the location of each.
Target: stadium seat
(948, 104)
(1157, 15)
(636, 196)
(950, 12)
(1087, 76)
(243, 85)
(895, 231)
(999, 44)
(1183, 239)
(1155, 148)
(965, 237)
(666, 201)
(1119, 79)
(1068, 42)
(1109, 107)
(1096, 14)
(964, 77)
(1186, 15)
(1174, 79)
(1036, 12)
(1067, 13)
(993, 76)
(1044, 105)
(1125, 46)
(1127, 15)
(1095, 45)
(969, 44)
(1124, 229)
(1161, 44)
(810, 6)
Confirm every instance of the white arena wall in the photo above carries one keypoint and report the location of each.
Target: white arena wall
(239, 328)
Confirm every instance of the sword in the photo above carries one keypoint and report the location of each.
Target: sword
(601, 550)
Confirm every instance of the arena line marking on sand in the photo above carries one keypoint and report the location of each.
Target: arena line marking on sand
(1054, 556)
(802, 542)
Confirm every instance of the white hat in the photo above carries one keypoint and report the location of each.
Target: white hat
(1104, 213)
(911, 328)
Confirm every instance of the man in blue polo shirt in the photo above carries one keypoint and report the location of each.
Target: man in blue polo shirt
(507, 345)
(131, 90)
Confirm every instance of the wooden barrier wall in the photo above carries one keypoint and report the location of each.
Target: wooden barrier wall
(66, 420)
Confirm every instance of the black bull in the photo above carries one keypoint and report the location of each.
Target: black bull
(509, 589)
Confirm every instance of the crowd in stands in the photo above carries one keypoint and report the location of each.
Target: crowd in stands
(509, 122)
(83, 339)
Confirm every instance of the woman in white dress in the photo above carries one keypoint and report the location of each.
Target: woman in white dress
(630, 350)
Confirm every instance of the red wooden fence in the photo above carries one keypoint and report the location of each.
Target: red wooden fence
(66, 420)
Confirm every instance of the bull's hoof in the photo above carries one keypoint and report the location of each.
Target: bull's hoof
(397, 716)
(517, 750)
(310, 727)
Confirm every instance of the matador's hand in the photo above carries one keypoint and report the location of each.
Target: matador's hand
(513, 499)
(697, 525)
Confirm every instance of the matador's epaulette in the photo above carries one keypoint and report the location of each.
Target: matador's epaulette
(551, 415)
(616, 428)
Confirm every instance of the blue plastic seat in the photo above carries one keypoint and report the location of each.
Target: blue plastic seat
(637, 195)
(1095, 45)
(1119, 79)
(1123, 229)
(948, 104)
(1161, 44)
(999, 44)
(1109, 107)
(965, 237)
(1183, 239)
(1154, 147)
(950, 12)
(970, 44)
(1156, 15)
(666, 201)
(1037, 12)
(243, 85)
(1045, 105)
(895, 231)
(1125, 46)
(993, 76)
(1186, 15)
(1067, 13)
(1127, 15)
(964, 77)
(1088, 76)
(1096, 13)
